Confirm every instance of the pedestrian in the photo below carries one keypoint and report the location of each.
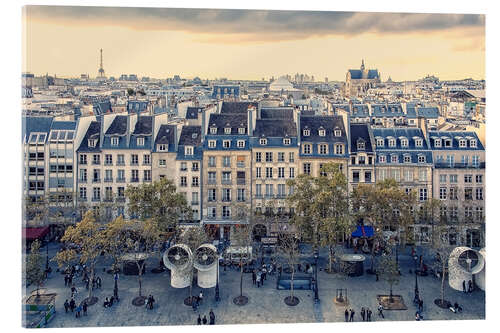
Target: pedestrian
(147, 302)
(470, 285)
(73, 291)
(463, 286)
(352, 315)
(98, 282)
(369, 315)
(85, 306)
(363, 312)
(106, 303)
(254, 277)
(72, 304)
(78, 310)
(204, 320)
(194, 304)
(93, 283)
(421, 305)
(417, 316)
(201, 296)
(258, 279)
(199, 319)
(87, 283)
(151, 302)
(264, 273)
(346, 315)
(66, 306)
(380, 308)
(70, 280)
(212, 317)
(66, 278)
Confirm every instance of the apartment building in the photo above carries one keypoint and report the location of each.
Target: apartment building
(459, 182)
(361, 155)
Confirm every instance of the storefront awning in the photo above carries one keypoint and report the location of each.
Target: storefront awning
(363, 231)
(35, 233)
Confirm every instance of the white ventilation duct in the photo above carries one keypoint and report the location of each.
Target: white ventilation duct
(462, 264)
(480, 277)
(178, 259)
(205, 261)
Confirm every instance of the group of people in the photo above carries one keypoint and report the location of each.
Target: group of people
(204, 321)
(149, 302)
(365, 313)
(467, 287)
(196, 301)
(96, 281)
(456, 308)
(108, 301)
(71, 305)
(259, 276)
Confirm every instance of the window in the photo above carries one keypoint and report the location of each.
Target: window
(213, 130)
(286, 141)
(307, 148)
(241, 143)
(226, 144)
(323, 149)
(475, 161)
(108, 176)
(468, 193)
(83, 193)
(194, 198)
(337, 132)
(307, 168)
(407, 159)
(442, 178)
(241, 130)
(212, 212)
(188, 150)
(97, 194)
(423, 194)
(226, 212)
(183, 181)
(226, 161)
(258, 190)
(227, 130)
(479, 213)
(211, 143)
(442, 193)
(306, 132)
(258, 157)
(423, 175)
(195, 181)
(212, 195)
(454, 213)
(453, 178)
(361, 144)
(211, 161)
(258, 172)
(355, 176)
(83, 175)
(462, 143)
(162, 147)
(269, 156)
(120, 159)
(361, 159)
(121, 192)
(212, 177)
(453, 193)
(108, 160)
(339, 149)
(226, 177)
(321, 132)
(281, 191)
(395, 174)
(292, 172)
(134, 159)
(437, 143)
(479, 179)
(83, 159)
(281, 172)
(368, 176)
(418, 142)
(291, 157)
(241, 195)
(473, 143)
(421, 158)
(281, 157)
(468, 212)
(381, 158)
(269, 190)
(263, 142)
(121, 175)
(114, 140)
(392, 142)
(467, 178)
(380, 142)
(447, 143)
(394, 158)
(96, 159)
(269, 172)
(404, 142)
(92, 143)
(135, 176)
(479, 193)
(97, 175)
(140, 142)
(226, 194)
(146, 159)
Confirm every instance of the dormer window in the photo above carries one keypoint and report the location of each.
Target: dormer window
(241, 130)
(437, 143)
(407, 159)
(381, 159)
(241, 143)
(447, 143)
(92, 143)
(286, 141)
(263, 142)
(188, 150)
(114, 140)
(394, 158)
(322, 132)
(307, 148)
(211, 143)
(418, 142)
(473, 143)
(162, 147)
(227, 130)
(361, 145)
(404, 142)
(380, 142)
(226, 143)
(140, 142)
(337, 132)
(462, 143)
(307, 132)
(392, 142)
(213, 130)
(421, 158)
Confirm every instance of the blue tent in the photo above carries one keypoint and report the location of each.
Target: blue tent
(363, 231)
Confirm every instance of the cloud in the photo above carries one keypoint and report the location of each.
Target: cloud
(253, 25)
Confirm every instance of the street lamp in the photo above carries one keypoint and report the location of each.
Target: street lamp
(316, 257)
(417, 297)
(217, 296)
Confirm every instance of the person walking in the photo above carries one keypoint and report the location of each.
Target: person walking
(72, 304)
(380, 310)
(98, 282)
(199, 319)
(151, 302)
(463, 286)
(66, 306)
(204, 320)
(470, 286)
(66, 278)
(369, 315)
(254, 277)
(346, 315)
(70, 280)
(73, 291)
(420, 305)
(211, 315)
(194, 303)
(258, 279)
(363, 312)
(352, 315)
(84, 307)
(78, 310)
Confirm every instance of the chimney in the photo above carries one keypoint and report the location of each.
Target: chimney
(422, 124)
(298, 128)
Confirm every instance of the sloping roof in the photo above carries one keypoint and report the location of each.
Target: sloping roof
(35, 124)
(276, 113)
(237, 107)
(275, 128)
(93, 132)
(118, 126)
(373, 74)
(360, 131)
(63, 125)
(455, 136)
(192, 112)
(329, 123)
(166, 135)
(355, 74)
(143, 126)
(397, 133)
(235, 121)
(190, 136)
(428, 112)
(102, 107)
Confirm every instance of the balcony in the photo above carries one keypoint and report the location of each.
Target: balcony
(120, 163)
(108, 163)
(480, 165)
(82, 199)
(108, 180)
(269, 196)
(82, 180)
(134, 163)
(79, 162)
(120, 199)
(183, 185)
(280, 196)
(194, 203)
(94, 199)
(147, 180)
(226, 217)
(240, 164)
(240, 181)
(226, 182)
(211, 165)
(96, 162)
(195, 169)
(120, 180)
(211, 181)
(226, 199)
(183, 169)
(108, 199)
(258, 196)
(195, 185)
(96, 180)
(134, 180)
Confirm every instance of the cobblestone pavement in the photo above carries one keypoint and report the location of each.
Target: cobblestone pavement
(265, 304)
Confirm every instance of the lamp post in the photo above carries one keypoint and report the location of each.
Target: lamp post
(417, 297)
(115, 290)
(316, 257)
(47, 254)
(217, 296)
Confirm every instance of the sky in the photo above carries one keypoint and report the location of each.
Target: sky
(250, 44)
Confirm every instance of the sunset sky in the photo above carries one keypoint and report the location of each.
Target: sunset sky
(250, 44)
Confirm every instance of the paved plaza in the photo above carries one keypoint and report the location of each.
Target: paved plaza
(265, 304)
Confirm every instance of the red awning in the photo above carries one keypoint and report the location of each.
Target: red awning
(35, 233)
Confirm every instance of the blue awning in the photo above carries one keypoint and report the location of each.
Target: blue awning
(363, 231)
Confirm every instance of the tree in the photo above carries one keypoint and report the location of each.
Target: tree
(192, 238)
(388, 270)
(158, 201)
(36, 210)
(115, 236)
(88, 237)
(35, 273)
(130, 92)
(147, 234)
(289, 250)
